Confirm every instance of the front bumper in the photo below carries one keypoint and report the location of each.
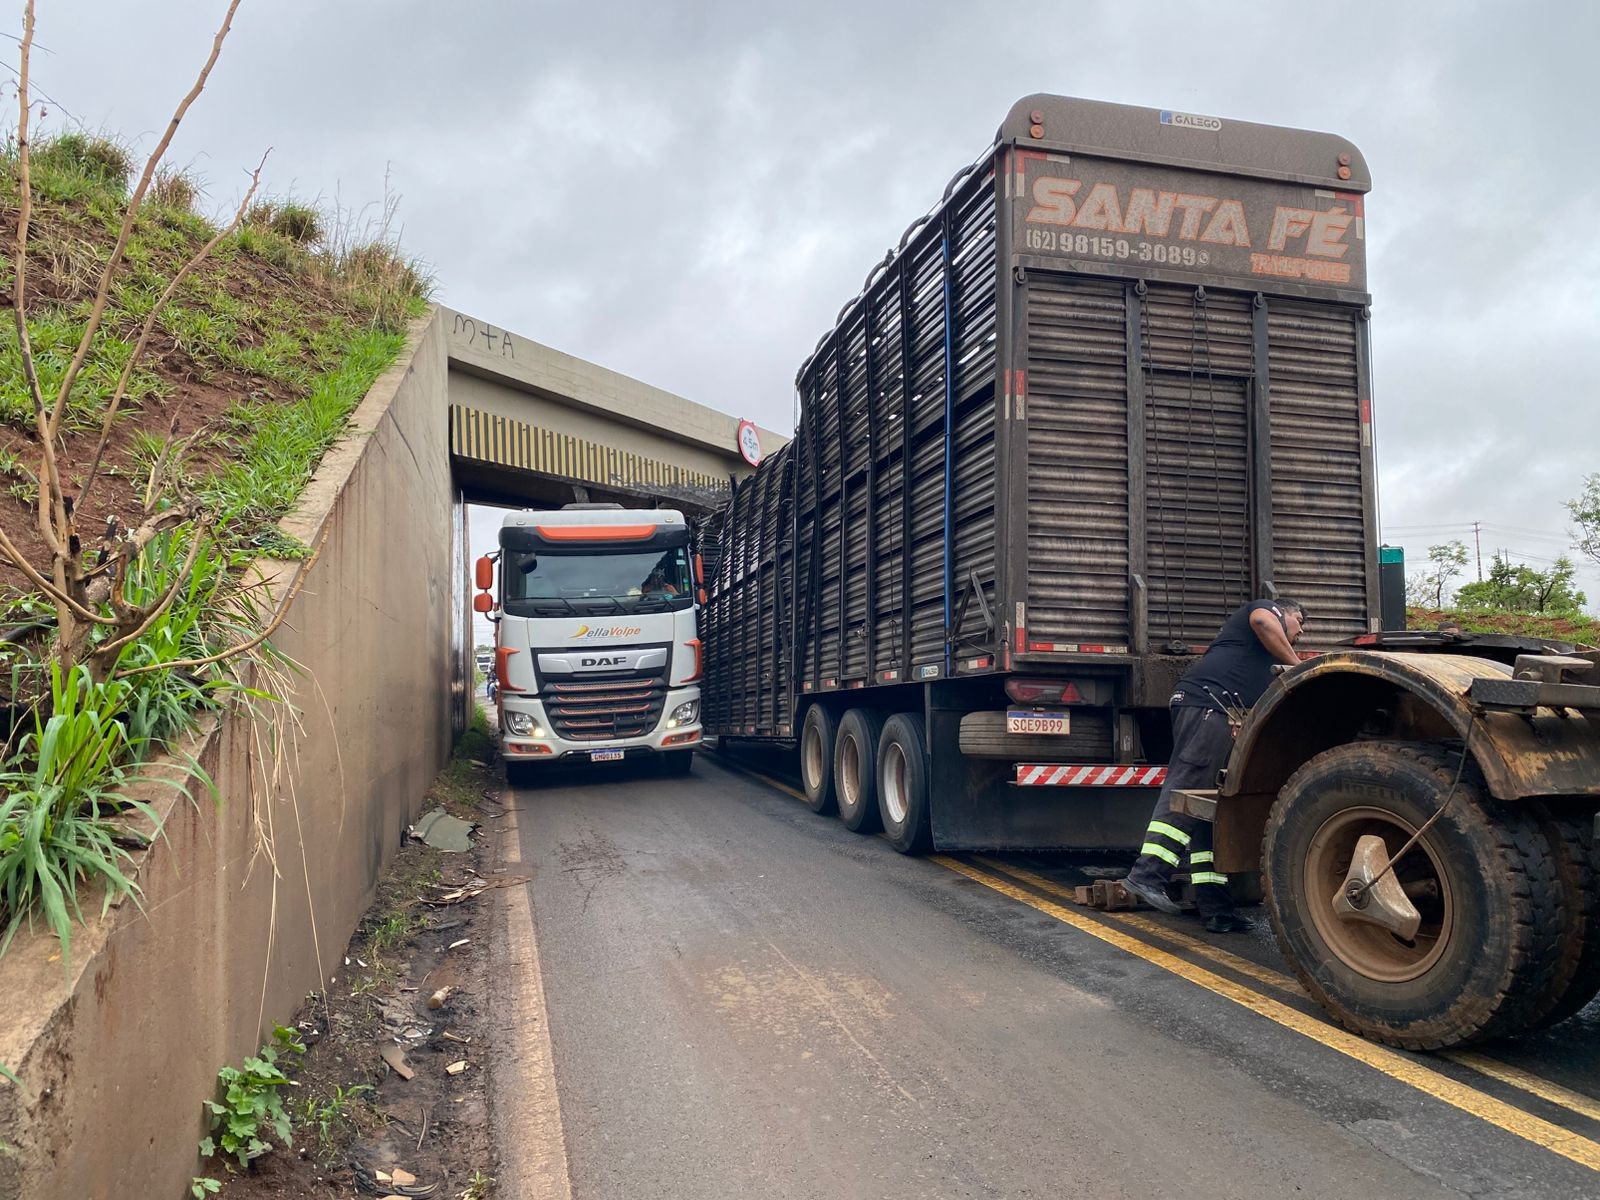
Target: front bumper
(519, 748)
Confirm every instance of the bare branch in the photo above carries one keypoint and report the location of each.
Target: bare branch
(161, 303)
(234, 651)
(9, 550)
(103, 293)
(50, 492)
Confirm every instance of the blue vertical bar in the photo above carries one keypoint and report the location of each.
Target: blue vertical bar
(949, 445)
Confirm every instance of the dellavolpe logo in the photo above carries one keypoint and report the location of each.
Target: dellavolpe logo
(608, 631)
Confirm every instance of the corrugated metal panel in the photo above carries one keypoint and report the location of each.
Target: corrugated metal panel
(1319, 545)
(1198, 362)
(1077, 409)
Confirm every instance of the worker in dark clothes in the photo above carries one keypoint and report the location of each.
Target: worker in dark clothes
(1218, 689)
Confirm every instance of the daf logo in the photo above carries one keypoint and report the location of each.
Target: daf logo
(610, 660)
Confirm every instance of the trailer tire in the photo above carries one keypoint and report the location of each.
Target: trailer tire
(818, 735)
(903, 784)
(1483, 877)
(855, 770)
(1577, 858)
(677, 762)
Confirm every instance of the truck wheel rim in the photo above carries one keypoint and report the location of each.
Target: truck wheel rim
(1365, 948)
(849, 771)
(812, 759)
(894, 783)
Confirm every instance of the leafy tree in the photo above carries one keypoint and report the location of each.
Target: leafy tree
(1445, 562)
(1517, 587)
(1586, 512)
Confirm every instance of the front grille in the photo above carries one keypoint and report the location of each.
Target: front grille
(614, 704)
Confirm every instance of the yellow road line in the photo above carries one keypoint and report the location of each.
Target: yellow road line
(1540, 1132)
(1273, 979)
(1577, 1102)
(1554, 1093)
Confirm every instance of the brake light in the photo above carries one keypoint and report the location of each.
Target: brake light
(699, 660)
(1043, 691)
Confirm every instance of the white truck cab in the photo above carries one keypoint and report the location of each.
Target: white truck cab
(598, 653)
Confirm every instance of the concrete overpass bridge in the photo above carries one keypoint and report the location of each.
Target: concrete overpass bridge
(530, 425)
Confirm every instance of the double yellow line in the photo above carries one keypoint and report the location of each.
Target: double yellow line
(1108, 927)
(1509, 1117)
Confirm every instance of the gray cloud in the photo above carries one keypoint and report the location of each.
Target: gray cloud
(689, 193)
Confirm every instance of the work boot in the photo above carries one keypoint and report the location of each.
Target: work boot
(1228, 922)
(1152, 893)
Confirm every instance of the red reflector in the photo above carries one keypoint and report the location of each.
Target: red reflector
(1366, 639)
(1043, 691)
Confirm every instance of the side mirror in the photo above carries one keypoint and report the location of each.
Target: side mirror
(483, 603)
(701, 596)
(699, 570)
(484, 574)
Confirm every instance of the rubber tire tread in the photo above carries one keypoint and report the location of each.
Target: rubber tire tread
(867, 726)
(1538, 917)
(916, 837)
(823, 802)
(522, 774)
(1577, 857)
(676, 762)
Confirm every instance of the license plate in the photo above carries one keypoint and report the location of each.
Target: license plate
(1036, 722)
(604, 755)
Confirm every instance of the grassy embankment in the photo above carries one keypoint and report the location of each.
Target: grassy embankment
(257, 362)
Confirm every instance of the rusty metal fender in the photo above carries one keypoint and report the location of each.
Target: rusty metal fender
(1324, 702)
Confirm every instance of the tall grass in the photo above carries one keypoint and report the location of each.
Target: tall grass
(64, 792)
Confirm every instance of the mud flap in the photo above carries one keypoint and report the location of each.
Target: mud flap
(977, 806)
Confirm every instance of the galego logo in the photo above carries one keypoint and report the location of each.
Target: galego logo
(608, 631)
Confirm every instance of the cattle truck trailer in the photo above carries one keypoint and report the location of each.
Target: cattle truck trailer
(1115, 384)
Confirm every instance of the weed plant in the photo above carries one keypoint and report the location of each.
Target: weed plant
(252, 1102)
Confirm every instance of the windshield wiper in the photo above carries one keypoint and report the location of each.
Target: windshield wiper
(561, 600)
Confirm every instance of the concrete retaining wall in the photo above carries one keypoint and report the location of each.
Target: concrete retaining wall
(116, 1051)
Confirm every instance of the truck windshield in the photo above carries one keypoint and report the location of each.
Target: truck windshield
(586, 581)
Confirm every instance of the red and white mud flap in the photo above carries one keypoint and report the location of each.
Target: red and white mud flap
(1090, 775)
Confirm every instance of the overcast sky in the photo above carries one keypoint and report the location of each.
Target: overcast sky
(688, 193)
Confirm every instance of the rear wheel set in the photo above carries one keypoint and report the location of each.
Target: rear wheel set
(1507, 937)
(878, 773)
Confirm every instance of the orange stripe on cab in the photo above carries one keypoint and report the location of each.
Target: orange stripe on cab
(595, 533)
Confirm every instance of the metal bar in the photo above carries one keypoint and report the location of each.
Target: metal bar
(907, 341)
(870, 317)
(1369, 481)
(1010, 428)
(839, 384)
(1259, 448)
(1138, 547)
(948, 539)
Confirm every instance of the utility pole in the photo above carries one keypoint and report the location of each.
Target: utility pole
(1477, 540)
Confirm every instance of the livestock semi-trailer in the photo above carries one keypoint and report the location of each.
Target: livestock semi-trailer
(1114, 385)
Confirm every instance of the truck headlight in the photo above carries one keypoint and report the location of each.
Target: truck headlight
(684, 714)
(523, 725)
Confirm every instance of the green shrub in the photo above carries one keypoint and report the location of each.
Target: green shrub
(252, 1102)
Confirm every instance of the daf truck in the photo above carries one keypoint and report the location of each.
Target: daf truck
(597, 647)
(1116, 383)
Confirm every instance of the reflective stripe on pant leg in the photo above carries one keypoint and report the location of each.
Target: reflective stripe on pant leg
(1199, 877)
(1170, 832)
(1158, 851)
(1196, 857)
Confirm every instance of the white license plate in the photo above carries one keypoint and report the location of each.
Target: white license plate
(604, 755)
(1036, 722)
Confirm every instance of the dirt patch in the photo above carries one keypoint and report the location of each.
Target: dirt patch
(358, 1122)
(186, 379)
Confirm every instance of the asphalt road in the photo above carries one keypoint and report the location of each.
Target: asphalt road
(742, 999)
